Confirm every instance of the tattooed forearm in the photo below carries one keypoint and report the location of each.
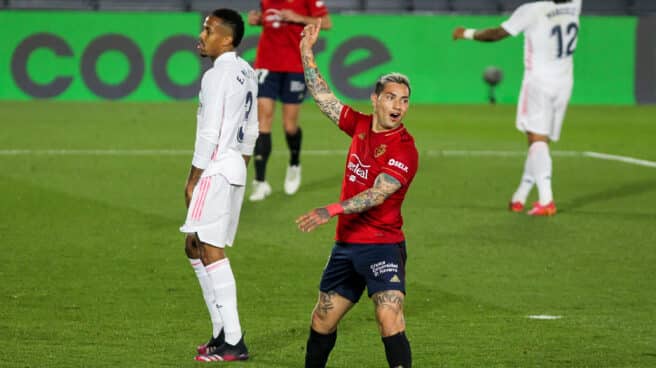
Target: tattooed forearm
(326, 100)
(384, 186)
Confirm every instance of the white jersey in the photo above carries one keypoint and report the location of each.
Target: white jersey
(550, 37)
(227, 124)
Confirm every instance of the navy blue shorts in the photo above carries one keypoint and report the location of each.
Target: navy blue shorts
(351, 267)
(289, 88)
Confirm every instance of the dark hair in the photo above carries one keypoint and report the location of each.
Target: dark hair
(391, 78)
(233, 20)
(561, 1)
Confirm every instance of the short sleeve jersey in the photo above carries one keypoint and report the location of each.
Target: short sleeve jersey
(550, 37)
(277, 49)
(370, 154)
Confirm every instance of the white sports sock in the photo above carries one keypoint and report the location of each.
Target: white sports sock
(526, 184)
(225, 294)
(541, 170)
(208, 295)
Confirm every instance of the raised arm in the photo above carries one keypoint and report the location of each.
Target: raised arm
(323, 96)
(384, 186)
(483, 35)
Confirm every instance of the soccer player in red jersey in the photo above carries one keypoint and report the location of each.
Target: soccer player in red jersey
(280, 75)
(370, 245)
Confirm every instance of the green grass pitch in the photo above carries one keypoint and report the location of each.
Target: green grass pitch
(93, 273)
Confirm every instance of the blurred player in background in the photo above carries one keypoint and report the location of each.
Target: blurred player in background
(370, 245)
(550, 36)
(280, 74)
(225, 136)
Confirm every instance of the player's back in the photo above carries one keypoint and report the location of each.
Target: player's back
(550, 37)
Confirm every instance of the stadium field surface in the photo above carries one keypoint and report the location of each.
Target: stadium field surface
(93, 272)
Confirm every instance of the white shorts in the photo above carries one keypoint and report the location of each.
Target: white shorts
(213, 212)
(541, 110)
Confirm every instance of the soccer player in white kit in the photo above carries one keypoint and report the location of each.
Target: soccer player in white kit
(225, 136)
(550, 35)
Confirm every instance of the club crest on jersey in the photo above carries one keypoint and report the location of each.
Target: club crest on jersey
(399, 164)
(380, 150)
(361, 136)
(357, 168)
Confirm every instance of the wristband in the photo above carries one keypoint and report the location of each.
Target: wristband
(334, 209)
(469, 33)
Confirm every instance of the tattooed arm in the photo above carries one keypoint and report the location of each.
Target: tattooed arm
(384, 186)
(323, 96)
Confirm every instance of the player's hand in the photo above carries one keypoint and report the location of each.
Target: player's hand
(289, 15)
(458, 33)
(254, 17)
(312, 219)
(310, 34)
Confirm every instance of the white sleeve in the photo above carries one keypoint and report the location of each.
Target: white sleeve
(209, 118)
(251, 129)
(520, 19)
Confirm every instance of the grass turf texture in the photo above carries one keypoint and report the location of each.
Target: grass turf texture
(94, 274)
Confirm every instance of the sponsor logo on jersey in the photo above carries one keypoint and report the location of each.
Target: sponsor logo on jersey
(380, 150)
(399, 164)
(356, 167)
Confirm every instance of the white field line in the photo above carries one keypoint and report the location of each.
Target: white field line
(439, 153)
(543, 317)
(625, 159)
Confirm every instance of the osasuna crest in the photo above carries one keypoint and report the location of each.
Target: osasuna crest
(380, 150)
(361, 136)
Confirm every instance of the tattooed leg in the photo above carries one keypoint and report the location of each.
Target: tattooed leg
(330, 309)
(389, 311)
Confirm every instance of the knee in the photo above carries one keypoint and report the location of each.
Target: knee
(322, 323)
(290, 126)
(191, 247)
(389, 313)
(390, 322)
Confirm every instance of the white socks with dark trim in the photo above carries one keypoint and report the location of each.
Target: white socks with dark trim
(208, 295)
(225, 296)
